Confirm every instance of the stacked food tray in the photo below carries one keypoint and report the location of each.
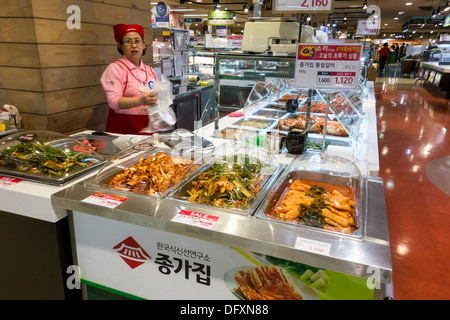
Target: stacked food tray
(271, 116)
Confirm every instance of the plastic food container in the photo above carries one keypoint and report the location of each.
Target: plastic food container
(319, 192)
(148, 168)
(235, 180)
(47, 157)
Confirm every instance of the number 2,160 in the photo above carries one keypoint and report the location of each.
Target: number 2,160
(314, 3)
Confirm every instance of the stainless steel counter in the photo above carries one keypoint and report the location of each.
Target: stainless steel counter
(358, 256)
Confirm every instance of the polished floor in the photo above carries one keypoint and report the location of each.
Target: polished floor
(414, 151)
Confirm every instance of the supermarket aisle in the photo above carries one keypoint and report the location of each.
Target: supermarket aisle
(414, 148)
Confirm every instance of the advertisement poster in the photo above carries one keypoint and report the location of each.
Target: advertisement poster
(324, 66)
(144, 263)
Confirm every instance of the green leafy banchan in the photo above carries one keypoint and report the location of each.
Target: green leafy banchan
(43, 159)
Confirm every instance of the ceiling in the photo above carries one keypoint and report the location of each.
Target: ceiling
(392, 18)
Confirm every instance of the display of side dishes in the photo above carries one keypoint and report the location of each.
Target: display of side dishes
(319, 205)
(46, 160)
(333, 126)
(152, 175)
(228, 185)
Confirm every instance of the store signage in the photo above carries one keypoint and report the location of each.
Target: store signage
(8, 181)
(104, 200)
(220, 18)
(367, 28)
(142, 262)
(234, 41)
(198, 219)
(321, 66)
(303, 6)
(162, 15)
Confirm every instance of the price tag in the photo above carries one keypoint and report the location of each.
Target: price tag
(313, 246)
(303, 5)
(198, 219)
(321, 66)
(8, 181)
(104, 200)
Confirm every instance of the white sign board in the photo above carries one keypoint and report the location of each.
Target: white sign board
(328, 66)
(303, 5)
(365, 28)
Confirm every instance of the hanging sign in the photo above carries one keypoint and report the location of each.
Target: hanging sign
(366, 29)
(220, 18)
(162, 15)
(321, 66)
(303, 6)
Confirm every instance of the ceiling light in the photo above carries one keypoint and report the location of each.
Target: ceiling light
(396, 18)
(365, 4)
(447, 6)
(408, 4)
(245, 8)
(401, 12)
(345, 17)
(433, 14)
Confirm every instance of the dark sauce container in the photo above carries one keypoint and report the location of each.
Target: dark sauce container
(296, 141)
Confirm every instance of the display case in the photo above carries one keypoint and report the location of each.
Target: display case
(246, 226)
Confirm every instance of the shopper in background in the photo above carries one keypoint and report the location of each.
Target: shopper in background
(385, 52)
(397, 52)
(127, 81)
(402, 50)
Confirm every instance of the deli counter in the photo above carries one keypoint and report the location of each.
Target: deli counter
(205, 235)
(130, 239)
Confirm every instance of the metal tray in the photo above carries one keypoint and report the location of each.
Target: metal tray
(57, 180)
(276, 106)
(231, 133)
(281, 186)
(104, 177)
(180, 194)
(272, 114)
(264, 123)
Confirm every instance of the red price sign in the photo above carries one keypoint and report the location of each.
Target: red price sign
(332, 66)
(303, 5)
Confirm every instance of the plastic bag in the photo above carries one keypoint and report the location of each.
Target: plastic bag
(161, 117)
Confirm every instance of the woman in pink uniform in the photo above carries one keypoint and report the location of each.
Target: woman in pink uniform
(126, 82)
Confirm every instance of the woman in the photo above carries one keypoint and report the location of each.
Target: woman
(127, 82)
(384, 55)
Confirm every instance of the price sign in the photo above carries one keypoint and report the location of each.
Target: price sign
(313, 246)
(8, 181)
(322, 66)
(198, 219)
(303, 6)
(104, 200)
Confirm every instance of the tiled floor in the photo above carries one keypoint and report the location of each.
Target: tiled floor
(413, 130)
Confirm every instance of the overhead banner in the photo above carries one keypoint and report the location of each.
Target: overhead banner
(220, 18)
(303, 6)
(322, 66)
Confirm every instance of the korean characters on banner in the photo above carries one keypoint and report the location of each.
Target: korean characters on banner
(323, 66)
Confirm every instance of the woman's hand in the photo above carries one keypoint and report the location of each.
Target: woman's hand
(149, 99)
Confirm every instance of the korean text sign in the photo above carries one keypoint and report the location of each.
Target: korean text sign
(328, 66)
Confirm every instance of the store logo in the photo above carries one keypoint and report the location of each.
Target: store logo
(131, 252)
